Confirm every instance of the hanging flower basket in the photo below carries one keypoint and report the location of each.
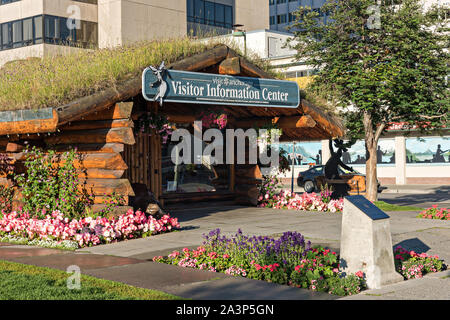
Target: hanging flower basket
(150, 123)
(213, 119)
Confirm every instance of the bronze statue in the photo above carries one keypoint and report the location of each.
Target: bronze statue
(332, 168)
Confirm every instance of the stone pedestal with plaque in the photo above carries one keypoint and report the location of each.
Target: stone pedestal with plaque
(366, 243)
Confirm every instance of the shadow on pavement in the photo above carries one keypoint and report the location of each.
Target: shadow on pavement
(438, 195)
(413, 244)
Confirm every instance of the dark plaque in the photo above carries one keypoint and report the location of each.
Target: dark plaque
(371, 210)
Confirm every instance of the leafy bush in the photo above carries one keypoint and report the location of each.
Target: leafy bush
(51, 183)
(268, 189)
(435, 213)
(343, 286)
(412, 265)
(6, 199)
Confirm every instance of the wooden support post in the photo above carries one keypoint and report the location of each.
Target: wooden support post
(232, 180)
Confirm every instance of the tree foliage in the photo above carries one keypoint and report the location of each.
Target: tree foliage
(386, 60)
(380, 62)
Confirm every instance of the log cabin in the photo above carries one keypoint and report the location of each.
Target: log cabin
(116, 157)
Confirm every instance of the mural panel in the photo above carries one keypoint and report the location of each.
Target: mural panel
(428, 150)
(357, 153)
(305, 153)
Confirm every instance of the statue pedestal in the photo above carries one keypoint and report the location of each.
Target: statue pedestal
(366, 243)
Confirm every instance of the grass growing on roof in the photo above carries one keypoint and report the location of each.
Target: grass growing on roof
(25, 282)
(54, 81)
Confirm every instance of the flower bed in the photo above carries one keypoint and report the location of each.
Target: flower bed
(412, 265)
(306, 201)
(287, 260)
(435, 213)
(84, 232)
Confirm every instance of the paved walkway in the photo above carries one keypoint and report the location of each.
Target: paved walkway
(129, 261)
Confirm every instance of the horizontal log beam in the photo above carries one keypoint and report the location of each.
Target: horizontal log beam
(115, 135)
(202, 60)
(30, 126)
(91, 147)
(105, 187)
(107, 199)
(108, 161)
(121, 110)
(101, 124)
(294, 122)
(99, 101)
(100, 174)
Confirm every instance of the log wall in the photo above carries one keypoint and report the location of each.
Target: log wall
(100, 140)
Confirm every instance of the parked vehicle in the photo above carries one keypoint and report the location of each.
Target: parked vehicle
(312, 179)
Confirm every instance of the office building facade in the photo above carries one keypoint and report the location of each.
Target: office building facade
(37, 28)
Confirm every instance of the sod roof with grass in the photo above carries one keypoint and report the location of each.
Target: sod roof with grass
(75, 85)
(54, 81)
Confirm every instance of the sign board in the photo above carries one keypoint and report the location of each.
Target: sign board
(204, 88)
(367, 207)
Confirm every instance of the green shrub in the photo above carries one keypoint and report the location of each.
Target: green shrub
(51, 183)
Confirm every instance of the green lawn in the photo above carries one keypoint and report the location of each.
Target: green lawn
(392, 207)
(25, 282)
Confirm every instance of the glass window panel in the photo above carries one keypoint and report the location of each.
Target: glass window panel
(38, 28)
(6, 35)
(228, 17)
(65, 32)
(220, 14)
(199, 11)
(49, 26)
(209, 13)
(190, 8)
(17, 33)
(93, 35)
(58, 29)
(81, 33)
(28, 31)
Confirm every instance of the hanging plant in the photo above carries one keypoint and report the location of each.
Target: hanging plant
(214, 119)
(270, 134)
(158, 122)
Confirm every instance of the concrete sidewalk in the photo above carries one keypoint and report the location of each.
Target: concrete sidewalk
(130, 261)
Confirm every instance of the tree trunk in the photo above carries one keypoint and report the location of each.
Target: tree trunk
(371, 141)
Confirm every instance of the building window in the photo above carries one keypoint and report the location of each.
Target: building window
(271, 2)
(281, 18)
(209, 13)
(281, 1)
(291, 17)
(272, 20)
(48, 29)
(7, 1)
